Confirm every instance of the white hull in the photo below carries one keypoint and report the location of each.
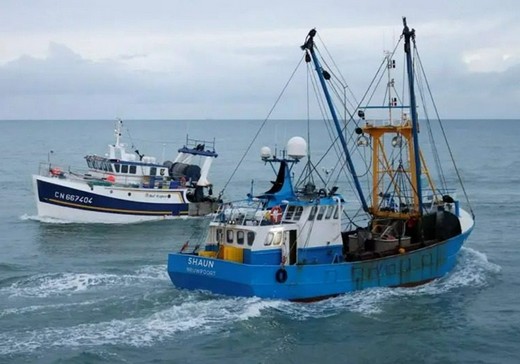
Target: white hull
(75, 200)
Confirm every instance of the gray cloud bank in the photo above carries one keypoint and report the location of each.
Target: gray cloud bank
(191, 60)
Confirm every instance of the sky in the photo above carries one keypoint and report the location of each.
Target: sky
(226, 59)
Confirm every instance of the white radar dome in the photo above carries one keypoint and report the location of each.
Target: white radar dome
(297, 147)
(265, 153)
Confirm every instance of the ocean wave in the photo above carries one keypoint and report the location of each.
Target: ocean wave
(199, 313)
(48, 220)
(473, 270)
(56, 284)
(56, 221)
(193, 314)
(48, 307)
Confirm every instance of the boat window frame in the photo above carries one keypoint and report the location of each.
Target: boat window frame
(240, 237)
(278, 238)
(117, 167)
(269, 238)
(321, 213)
(336, 212)
(330, 210)
(289, 212)
(298, 213)
(124, 168)
(219, 235)
(312, 214)
(132, 169)
(230, 236)
(250, 237)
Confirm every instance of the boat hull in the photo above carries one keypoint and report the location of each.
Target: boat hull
(86, 202)
(314, 281)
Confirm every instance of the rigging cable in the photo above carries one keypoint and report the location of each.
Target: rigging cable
(446, 139)
(260, 128)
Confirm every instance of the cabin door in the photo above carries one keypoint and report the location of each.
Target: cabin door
(289, 247)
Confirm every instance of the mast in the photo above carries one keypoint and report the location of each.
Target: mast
(410, 34)
(309, 46)
(117, 132)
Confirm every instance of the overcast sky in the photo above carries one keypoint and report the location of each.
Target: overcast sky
(202, 59)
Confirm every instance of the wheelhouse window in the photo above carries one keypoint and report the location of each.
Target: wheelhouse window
(330, 210)
(298, 213)
(273, 238)
(336, 212)
(289, 212)
(219, 234)
(240, 237)
(321, 212)
(117, 167)
(313, 212)
(269, 239)
(124, 168)
(153, 171)
(133, 169)
(277, 238)
(250, 238)
(229, 236)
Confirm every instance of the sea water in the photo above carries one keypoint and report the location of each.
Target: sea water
(79, 293)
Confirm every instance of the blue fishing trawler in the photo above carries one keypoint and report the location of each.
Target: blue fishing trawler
(301, 242)
(125, 186)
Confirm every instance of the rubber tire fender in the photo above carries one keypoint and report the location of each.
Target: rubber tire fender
(281, 275)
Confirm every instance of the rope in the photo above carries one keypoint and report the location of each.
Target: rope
(445, 138)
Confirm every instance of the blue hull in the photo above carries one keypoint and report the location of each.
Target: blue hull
(314, 281)
(55, 194)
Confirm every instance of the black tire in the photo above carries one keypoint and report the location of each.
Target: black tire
(281, 275)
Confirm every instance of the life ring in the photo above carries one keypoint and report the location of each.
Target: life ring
(281, 275)
(56, 171)
(276, 214)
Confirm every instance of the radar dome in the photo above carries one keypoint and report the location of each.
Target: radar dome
(297, 147)
(265, 153)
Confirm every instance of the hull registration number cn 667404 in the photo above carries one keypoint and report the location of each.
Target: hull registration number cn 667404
(73, 198)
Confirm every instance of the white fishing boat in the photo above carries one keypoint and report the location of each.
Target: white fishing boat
(127, 187)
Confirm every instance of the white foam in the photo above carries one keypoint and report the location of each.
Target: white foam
(57, 284)
(53, 220)
(472, 270)
(47, 220)
(36, 308)
(193, 315)
(196, 313)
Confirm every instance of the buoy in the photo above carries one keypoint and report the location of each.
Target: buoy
(111, 178)
(402, 250)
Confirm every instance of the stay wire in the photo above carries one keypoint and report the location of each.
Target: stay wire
(445, 136)
(261, 127)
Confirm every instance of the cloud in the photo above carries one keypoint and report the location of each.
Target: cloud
(230, 59)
